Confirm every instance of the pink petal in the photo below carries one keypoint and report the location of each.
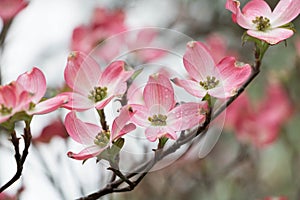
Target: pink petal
(285, 12)
(114, 74)
(10, 8)
(34, 82)
(191, 87)
(272, 36)
(77, 102)
(220, 92)
(119, 127)
(82, 72)
(8, 96)
(186, 116)
(238, 16)
(81, 132)
(233, 76)
(48, 105)
(4, 118)
(101, 104)
(152, 133)
(126, 129)
(87, 153)
(198, 61)
(232, 6)
(257, 8)
(159, 92)
(141, 114)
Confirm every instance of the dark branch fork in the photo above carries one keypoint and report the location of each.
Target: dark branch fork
(19, 158)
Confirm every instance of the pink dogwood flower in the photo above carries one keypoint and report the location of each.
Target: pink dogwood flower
(10, 8)
(263, 23)
(160, 116)
(91, 86)
(93, 137)
(25, 94)
(219, 80)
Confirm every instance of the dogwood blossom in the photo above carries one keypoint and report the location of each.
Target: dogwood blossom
(219, 80)
(159, 115)
(92, 135)
(263, 23)
(92, 87)
(25, 94)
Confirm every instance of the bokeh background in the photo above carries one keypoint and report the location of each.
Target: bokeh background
(258, 153)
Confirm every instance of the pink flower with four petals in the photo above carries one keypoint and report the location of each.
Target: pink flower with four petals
(219, 80)
(160, 116)
(92, 135)
(263, 23)
(26, 94)
(91, 86)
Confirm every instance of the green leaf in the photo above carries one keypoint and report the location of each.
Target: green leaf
(162, 142)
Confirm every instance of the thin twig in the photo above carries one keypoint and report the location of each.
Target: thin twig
(20, 159)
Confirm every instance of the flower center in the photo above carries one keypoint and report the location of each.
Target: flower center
(98, 94)
(158, 120)
(102, 139)
(211, 82)
(262, 23)
(4, 110)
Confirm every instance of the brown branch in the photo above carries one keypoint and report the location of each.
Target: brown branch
(20, 159)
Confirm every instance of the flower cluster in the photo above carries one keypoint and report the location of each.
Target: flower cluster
(157, 112)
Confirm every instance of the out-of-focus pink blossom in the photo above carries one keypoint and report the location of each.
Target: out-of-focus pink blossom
(25, 94)
(10, 8)
(263, 23)
(55, 129)
(91, 86)
(219, 80)
(275, 198)
(93, 137)
(142, 44)
(160, 116)
(104, 24)
(218, 45)
(260, 126)
(4, 196)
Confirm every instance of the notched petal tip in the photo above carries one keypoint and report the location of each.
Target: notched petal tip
(70, 154)
(191, 44)
(73, 55)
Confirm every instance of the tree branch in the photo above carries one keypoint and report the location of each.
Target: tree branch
(20, 159)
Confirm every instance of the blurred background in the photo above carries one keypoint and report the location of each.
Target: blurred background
(257, 155)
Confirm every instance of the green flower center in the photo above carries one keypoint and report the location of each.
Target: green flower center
(5, 110)
(262, 23)
(102, 139)
(211, 82)
(158, 120)
(98, 94)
